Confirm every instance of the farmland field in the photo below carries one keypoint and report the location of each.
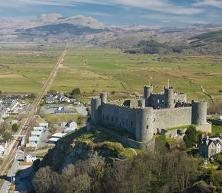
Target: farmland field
(94, 70)
(25, 69)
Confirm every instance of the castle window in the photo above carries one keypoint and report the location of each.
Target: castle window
(147, 127)
(112, 119)
(107, 118)
(131, 123)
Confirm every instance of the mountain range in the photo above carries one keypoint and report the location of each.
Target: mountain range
(54, 28)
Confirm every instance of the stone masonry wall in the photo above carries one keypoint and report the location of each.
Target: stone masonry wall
(113, 116)
(169, 118)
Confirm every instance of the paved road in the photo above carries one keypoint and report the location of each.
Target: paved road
(25, 128)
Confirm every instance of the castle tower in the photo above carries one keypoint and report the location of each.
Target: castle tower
(148, 90)
(169, 97)
(103, 97)
(95, 110)
(144, 124)
(199, 113)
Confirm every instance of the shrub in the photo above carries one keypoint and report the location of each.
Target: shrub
(191, 137)
(15, 128)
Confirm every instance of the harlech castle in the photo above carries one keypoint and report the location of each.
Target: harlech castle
(151, 114)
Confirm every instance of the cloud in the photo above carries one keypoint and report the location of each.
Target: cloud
(212, 3)
(161, 6)
(165, 6)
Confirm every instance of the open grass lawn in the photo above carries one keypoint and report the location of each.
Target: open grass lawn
(96, 69)
(111, 70)
(24, 70)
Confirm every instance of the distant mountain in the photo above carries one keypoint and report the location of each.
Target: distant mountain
(54, 28)
(209, 42)
(49, 27)
(59, 31)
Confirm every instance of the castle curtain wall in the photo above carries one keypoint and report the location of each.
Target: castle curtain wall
(170, 118)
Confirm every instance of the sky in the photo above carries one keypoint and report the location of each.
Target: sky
(120, 12)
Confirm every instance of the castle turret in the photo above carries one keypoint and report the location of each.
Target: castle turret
(148, 90)
(169, 97)
(144, 124)
(103, 97)
(199, 113)
(95, 110)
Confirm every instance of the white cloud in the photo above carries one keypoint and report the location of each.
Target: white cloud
(156, 5)
(161, 5)
(212, 3)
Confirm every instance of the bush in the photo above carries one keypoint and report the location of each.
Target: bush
(191, 137)
(128, 153)
(15, 128)
(76, 93)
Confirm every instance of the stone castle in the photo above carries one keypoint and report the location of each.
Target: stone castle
(152, 114)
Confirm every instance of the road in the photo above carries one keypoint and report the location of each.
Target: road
(25, 126)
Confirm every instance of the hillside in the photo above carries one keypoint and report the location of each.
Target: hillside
(208, 43)
(91, 162)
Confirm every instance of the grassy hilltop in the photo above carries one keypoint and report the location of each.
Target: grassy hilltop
(103, 69)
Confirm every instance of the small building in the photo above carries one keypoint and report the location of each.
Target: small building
(209, 147)
(58, 135)
(69, 126)
(44, 125)
(36, 133)
(38, 129)
(53, 140)
(33, 142)
(30, 158)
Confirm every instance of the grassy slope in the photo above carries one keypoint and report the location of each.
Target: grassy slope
(111, 70)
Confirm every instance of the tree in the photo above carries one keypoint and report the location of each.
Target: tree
(191, 137)
(15, 128)
(6, 136)
(32, 96)
(80, 120)
(76, 93)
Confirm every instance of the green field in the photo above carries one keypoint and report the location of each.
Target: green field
(111, 70)
(25, 70)
(94, 70)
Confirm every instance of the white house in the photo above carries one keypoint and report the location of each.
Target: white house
(38, 129)
(209, 147)
(44, 125)
(53, 140)
(36, 134)
(70, 126)
(58, 135)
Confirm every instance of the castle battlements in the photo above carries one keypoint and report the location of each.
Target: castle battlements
(153, 113)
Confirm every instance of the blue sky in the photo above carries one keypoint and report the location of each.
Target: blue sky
(121, 12)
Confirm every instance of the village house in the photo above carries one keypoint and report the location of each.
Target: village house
(209, 147)
(69, 126)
